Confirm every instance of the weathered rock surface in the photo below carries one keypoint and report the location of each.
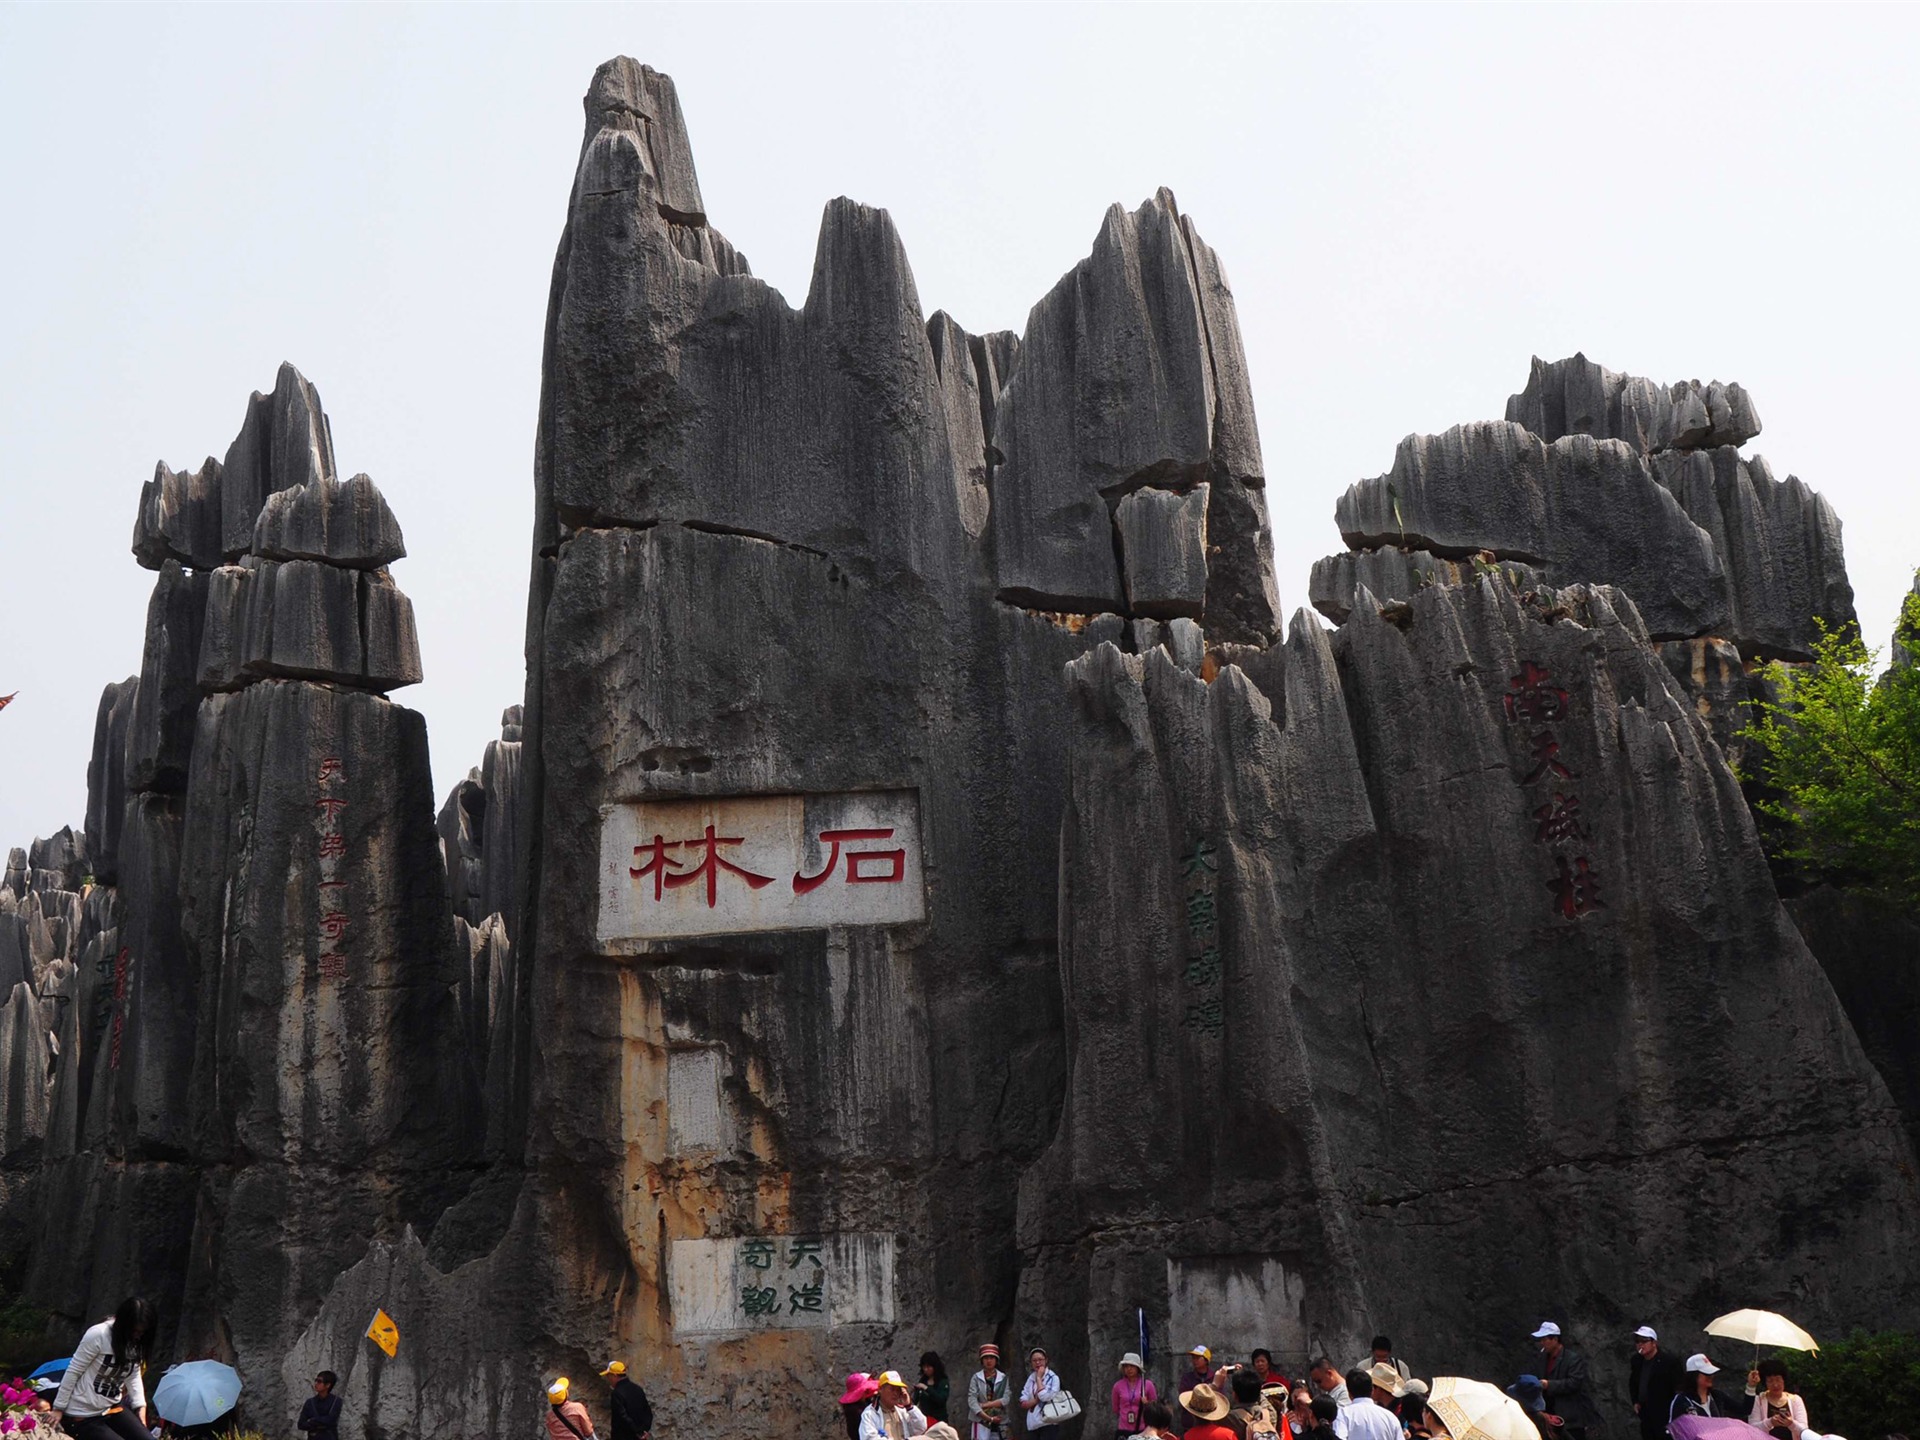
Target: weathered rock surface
(1163, 547)
(1577, 397)
(1867, 949)
(1779, 543)
(107, 777)
(180, 518)
(341, 522)
(1457, 977)
(1574, 509)
(283, 442)
(160, 732)
(1568, 485)
(1391, 573)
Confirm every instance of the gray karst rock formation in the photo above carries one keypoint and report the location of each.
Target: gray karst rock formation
(229, 1066)
(925, 896)
(1595, 476)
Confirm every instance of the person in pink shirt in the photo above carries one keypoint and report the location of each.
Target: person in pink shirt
(1131, 1392)
(566, 1419)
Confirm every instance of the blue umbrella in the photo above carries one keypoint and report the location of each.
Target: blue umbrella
(197, 1392)
(51, 1368)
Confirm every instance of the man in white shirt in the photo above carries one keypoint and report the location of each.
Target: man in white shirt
(1367, 1417)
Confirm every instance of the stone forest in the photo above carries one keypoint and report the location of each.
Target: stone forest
(929, 892)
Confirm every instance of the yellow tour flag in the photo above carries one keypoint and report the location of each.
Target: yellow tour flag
(384, 1333)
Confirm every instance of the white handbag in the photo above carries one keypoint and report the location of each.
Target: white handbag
(1058, 1408)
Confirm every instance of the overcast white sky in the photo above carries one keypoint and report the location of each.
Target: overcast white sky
(1410, 202)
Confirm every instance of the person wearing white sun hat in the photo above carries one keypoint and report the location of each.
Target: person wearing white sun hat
(1132, 1393)
(1697, 1395)
(1653, 1378)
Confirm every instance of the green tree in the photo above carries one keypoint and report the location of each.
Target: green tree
(1839, 755)
(1864, 1387)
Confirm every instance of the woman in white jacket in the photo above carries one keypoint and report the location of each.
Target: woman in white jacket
(1782, 1415)
(104, 1375)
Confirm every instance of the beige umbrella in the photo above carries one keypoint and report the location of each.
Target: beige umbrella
(1475, 1410)
(1762, 1327)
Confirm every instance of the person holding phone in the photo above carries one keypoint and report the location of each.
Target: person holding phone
(1782, 1415)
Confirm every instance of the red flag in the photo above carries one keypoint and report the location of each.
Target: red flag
(6, 700)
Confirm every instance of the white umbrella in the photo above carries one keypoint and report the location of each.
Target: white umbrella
(1761, 1327)
(1475, 1410)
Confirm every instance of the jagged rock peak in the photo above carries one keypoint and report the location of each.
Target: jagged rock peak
(1131, 375)
(284, 441)
(1574, 509)
(633, 119)
(1577, 397)
(179, 517)
(343, 522)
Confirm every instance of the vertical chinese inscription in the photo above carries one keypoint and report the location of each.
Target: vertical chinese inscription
(1533, 700)
(1199, 869)
(122, 968)
(331, 919)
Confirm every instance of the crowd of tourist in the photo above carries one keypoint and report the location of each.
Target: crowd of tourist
(101, 1397)
(1378, 1398)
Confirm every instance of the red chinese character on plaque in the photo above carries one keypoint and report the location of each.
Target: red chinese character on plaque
(655, 861)
(333, 966)
(1576, 889)
(332, 846)
(1558, 819)
(864, 867)
(334, 924)
(1530, 696)
(331, 769)
(711, 865)
(332, 806)
(1546, 751)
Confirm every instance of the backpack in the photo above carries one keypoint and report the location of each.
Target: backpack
(1260, 1422)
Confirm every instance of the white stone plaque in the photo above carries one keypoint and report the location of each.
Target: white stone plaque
(1238, 1302)
(780, 1282)
(672, 869)
(694, 1115)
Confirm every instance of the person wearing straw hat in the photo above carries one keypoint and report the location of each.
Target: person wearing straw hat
(1208, 1407)
(892, 1415)
(567, 1419)
(1131, 1393)
(987, 1396)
